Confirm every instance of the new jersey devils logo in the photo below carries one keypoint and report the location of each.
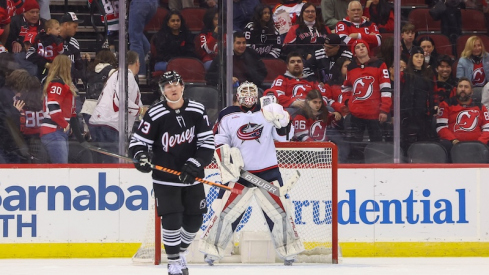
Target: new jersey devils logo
(466, 121)
(318, 131)
(250, 131)
(478, 77)
(363, 88)
(299, 90)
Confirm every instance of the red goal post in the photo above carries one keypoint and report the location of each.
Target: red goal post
(314, 199)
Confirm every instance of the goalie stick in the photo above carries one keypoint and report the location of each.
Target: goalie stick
(85, 144)
(271, 188)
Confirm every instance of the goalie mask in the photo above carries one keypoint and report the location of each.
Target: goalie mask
(173, 79)
(247, 94)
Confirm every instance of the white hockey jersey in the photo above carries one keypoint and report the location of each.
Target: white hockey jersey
(252, 134)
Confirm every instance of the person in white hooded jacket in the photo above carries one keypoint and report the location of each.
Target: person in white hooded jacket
(104, 121)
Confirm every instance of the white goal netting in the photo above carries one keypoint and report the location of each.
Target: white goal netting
(312, 199)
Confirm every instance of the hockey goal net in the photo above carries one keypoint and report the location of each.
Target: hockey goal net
(313, 198)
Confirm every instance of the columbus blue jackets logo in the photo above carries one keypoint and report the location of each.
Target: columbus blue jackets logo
(466, 121)
(250, 131)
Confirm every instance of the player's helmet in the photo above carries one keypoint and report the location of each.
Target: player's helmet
(171, 77)
(247, 94)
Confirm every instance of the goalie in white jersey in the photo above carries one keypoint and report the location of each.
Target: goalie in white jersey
(244, 138)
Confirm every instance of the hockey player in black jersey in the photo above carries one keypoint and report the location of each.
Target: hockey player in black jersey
(180, 137)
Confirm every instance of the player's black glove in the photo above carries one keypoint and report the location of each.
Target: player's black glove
(191, 170)
(144, 164)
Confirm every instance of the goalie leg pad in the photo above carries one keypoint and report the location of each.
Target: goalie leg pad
(284, 233)
(290, 183)
(219, 231)
(229, 161)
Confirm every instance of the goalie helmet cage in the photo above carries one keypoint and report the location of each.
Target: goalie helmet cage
(314, 198)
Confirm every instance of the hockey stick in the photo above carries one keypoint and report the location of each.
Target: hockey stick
(159, 168)
(277, 191)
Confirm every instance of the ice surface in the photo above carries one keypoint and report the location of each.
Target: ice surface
(364, 266)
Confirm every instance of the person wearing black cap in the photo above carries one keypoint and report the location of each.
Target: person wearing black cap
(321, 61)
(417, 106)
(69, 25)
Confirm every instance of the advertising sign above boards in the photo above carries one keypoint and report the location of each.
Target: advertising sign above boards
(54, 210)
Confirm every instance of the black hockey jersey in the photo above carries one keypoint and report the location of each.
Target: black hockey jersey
(174, 136)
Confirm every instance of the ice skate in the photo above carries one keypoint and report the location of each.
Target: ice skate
(289, 261)
(183, 262)
(174, 267)
(208, 259)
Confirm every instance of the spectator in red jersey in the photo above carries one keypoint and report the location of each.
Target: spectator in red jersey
(292, 87)
(417, 106)
(355, 27)
(367, 93)
(292, 8)
(381, 13)
(208, 37)
(8, 8)
(474, 62)
(31, 116)
(22, 24)
(261, 34)
(445, 83)
(174, 39)
(45, 46)
(308, 35)
(314, 122)
(461, 119)
(59, 107)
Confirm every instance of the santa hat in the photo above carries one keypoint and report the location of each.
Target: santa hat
(356, 42)
(30, 5)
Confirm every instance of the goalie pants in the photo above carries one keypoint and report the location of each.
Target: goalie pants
(181, 210)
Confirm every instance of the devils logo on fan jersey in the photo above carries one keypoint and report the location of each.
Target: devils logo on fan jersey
(250, 131)
(466, 121)
(363, 88)
(478, 77)
(299, 90)
(318, 131)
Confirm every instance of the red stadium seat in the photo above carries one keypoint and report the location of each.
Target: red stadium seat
(463, 39)
(191, 69)
(271, 3)
(442, 44)
(473, 21)
(155, 23)
(423, 21)
(194, 17)
(275, 67)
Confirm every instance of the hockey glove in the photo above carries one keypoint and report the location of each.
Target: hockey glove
(191, 169)
(276, 114)
(144, 165)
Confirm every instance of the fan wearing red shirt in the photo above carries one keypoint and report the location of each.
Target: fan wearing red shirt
(59, 108)
(367, 93)
(462, 119)
(355, 27)
(292, 87)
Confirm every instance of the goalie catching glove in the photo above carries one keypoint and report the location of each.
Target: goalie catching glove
(191, 169)
(276, 114)
(144, 165)
(230, 162)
